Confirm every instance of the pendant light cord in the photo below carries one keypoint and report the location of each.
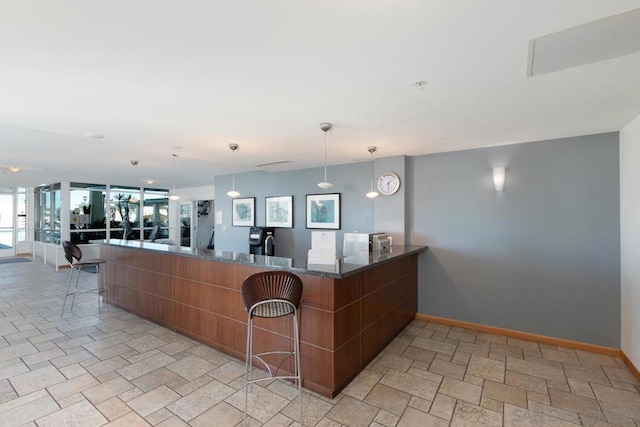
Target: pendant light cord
(174, 173)
(173, 195)
(373, 162)
(233, 170)
(372, 194)
(325, 156)
(325, 184)
(134, 163)
(233, 193)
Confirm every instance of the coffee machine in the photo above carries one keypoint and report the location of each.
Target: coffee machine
(262, 241)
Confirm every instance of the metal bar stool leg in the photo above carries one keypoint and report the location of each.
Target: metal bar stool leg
(296, 349)
(247, 373)
(99, 290)
(102, 287)
(64, 303)
(75, 290)
(99, 286)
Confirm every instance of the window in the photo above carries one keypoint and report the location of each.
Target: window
(185, 224)
(21, 214)
(47, 214)
(155, 211)
(87, 219)
(93, 216)
(124, 206)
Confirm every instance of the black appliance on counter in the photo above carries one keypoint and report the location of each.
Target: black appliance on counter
(262, 241)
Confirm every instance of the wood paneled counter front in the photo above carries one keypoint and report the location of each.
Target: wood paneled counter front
(349, 311)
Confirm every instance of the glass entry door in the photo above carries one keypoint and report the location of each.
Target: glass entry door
(7, 215)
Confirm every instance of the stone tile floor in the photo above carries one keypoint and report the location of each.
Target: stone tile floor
(115, 369)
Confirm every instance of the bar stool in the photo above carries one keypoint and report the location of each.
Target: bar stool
(272, 294)
(73, 254)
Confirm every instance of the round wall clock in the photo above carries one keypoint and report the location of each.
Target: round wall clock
(388, 183)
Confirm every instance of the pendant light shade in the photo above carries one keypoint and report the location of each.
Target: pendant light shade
(173, 195)
(372, 194)
(233, 193)
(325, 185)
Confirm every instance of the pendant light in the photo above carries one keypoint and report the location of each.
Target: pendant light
(233, 192)
(325, 185)
(134, 163)
(372, 194)
(173, 195)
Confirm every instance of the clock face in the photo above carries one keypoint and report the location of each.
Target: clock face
(388, 183)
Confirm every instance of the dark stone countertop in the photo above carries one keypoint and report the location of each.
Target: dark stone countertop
(344, 267)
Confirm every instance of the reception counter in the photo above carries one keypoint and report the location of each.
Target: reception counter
(349, 311)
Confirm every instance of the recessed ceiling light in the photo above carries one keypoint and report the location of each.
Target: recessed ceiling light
(420, 84)
(93, 135)
(149, 181)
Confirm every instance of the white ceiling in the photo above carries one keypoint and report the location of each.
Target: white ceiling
(151, 75)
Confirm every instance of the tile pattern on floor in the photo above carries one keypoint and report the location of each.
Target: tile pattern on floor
(115, 369)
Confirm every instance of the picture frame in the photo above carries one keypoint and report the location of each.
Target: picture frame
(278, 211)
(243, 212)
(323, 211)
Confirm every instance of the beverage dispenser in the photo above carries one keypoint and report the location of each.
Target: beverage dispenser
(262, 241)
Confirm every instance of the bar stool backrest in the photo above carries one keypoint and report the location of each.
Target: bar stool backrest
(270, 285)
(71, 251)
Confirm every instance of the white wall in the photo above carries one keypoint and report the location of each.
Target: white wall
(630, 239)
(207, 192)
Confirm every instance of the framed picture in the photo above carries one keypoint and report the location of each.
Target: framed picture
(323, 211)
(279, 211)
(243, 212)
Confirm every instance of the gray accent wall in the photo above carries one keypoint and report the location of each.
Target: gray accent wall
(541, 257)
(351, 180)
(390, 211)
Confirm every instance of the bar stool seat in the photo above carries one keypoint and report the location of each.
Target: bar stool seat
(73, 254)
(272, 294)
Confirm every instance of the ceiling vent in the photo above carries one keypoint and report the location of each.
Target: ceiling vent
(281, 162)
(595, 41)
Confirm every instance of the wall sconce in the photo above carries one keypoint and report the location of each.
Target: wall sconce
(499, 175)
